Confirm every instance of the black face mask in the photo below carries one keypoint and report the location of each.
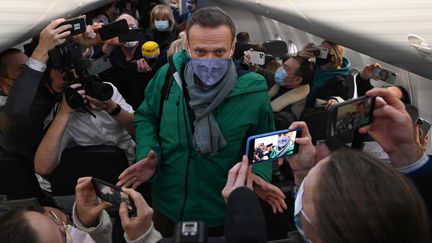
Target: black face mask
(321, 61)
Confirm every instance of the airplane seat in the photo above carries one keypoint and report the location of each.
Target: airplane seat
(105, 162)
(353, 73)
(276, 48)
(17, 177)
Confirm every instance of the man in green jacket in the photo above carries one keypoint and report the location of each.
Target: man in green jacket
(210, 111)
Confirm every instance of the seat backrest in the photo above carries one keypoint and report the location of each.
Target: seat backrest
(277, 48)
(17, 177)
(101, 161)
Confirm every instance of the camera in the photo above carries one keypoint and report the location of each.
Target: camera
(69, 56)
(190, 231)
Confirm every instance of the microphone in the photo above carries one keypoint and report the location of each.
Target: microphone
(244, 220)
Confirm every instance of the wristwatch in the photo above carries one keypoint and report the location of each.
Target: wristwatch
(115, 111)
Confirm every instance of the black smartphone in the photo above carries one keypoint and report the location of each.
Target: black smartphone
(113, 194)
(272, 145)
(132, 35)
(78, 25)
(113, 29)
(352, 114)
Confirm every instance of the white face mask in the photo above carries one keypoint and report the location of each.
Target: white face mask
(130, 44)
(78, 236)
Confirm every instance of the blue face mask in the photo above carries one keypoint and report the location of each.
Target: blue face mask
(161, 25)
(210, 71)
(280, 76)
(298, 211)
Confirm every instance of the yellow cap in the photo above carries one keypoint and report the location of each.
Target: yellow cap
(150, 49)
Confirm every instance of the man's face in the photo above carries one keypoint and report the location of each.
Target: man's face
(14, 63)
(58, 83)
(290, 66)
(204, 42)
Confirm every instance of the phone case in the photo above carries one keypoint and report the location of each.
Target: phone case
(113, 29)
(113, 197)
(249, 144)
(257, 57)
(78, 25)
(132, 35)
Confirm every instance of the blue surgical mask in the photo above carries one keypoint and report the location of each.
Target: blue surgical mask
(280, 76)
(161, 25)
(210, 71)
(298, 211)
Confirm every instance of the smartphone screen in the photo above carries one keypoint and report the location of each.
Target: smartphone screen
(272, 145)
(112, 193)
(424, 127)
(385, 75)
(113, 29)
(352, 114)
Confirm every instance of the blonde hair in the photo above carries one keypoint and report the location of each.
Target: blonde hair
(175, 46)
(338, 52)
(162, 10)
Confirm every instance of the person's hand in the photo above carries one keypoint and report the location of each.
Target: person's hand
(142, 66)
(89, 38)
(88, 206)
(269, 193)
(135, 227)
(392, 129)
(304, 160)
(98, 105)
(308, 51)
(329, 103)
(64, 106)
(50, 37)
(139, 172)
(368, 71)
(238, 176)
(247, 60)
(113, 42)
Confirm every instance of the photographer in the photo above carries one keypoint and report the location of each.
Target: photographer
(72, 127)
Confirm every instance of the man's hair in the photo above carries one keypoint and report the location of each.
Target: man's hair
(211, 17)
(14, 227)
(165, 11)
(243, 37)
(306, 69)
(3, 56)
(358, 198)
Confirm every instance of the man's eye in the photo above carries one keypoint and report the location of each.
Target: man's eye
(220, 52)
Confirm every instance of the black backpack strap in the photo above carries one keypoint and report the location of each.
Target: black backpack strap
(165, 90)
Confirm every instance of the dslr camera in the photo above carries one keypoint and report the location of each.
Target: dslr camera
(68, 56)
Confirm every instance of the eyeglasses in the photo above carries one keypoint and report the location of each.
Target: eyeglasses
(60, 223)
(298, 211)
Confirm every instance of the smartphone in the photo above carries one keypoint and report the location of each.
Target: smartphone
(385, 75)
(321, 52)
(273, 145)
(113, 29)
(424, 126)
(78, 25)
(132, 35)
(257, 57)
(99, 65)
(352, 114)
(113, 194)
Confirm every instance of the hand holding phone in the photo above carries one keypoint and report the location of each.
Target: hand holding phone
(113, 194)
(113, 29)
(352, 114)
(385, 75)
(257, 57)
(424, 127)
(273, 145)
(78, 25)
(320, 52)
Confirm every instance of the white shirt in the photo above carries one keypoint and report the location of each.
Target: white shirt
(85, 130)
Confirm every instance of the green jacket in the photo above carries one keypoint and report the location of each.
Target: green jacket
(188, 186)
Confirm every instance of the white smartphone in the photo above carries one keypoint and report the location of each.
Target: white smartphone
(257, 57)
(385, 75)
(321, 52)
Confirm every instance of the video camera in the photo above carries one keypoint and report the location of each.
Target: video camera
(69, 56)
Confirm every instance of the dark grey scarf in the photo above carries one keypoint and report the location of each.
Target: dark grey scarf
(207, 137)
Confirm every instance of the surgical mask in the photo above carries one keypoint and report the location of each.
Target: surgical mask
(190, 6)
(130, 44)
(280, 76)
(78, 235)
(161, 25)
(210, 71)
(298, 211)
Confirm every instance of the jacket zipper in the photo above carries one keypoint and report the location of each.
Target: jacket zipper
(186, 191)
